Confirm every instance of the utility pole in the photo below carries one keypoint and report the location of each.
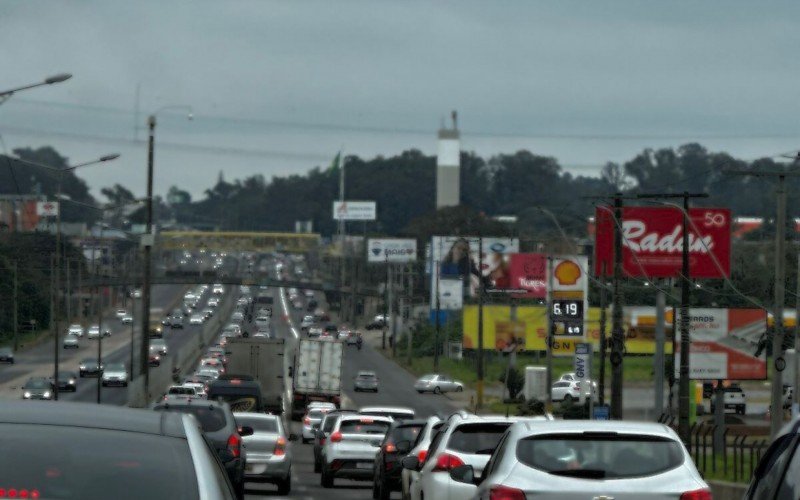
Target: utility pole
(602, 383)
(57, 291)
(146, 267)
(479, 382)
(684, 384)
(617, 333)
(658, 360)
(550, 333)
(53, 322)
(16, 308)
(778, 351)
(393, 312)
(69, 290)
(437, 332)
(96, 292)
(342, 229)
(385, 303)
(796, 381)
(410, 331)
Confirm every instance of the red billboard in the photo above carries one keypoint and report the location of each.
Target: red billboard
(652, 242)
(528, 272)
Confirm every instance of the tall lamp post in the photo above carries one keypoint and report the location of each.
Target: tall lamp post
(147, 241)
(60, 172)
(61, 77)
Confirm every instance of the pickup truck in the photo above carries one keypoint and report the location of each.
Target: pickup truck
(734, 398)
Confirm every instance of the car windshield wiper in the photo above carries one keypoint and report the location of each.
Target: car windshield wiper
(584, 473)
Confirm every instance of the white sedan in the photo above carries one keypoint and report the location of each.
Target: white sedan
(75, 329)
(127, 319)
(197, 319)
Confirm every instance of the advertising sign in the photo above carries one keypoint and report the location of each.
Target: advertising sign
(354, 210)
(529, 273)
(724, 344)
(583, 366)
(391, 250)
(570, 289)
(458, 256)
(652, 242)
(47, 208)
(451, 294)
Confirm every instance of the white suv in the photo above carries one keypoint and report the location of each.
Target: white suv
(464, 440)
(351, 448)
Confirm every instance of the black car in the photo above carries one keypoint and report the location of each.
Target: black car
(6, 355)
(399, 440)
(241, 395)
(37, 388)
(67, 381)
(777, 472)
(219, 426)
(134, 454)
(90, 367)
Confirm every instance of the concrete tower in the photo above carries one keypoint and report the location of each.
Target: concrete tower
(448, 166)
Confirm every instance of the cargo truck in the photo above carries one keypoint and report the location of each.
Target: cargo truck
(316, 374)
(259, 360)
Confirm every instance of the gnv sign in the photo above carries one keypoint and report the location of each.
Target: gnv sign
(583, 367)
(391, 250)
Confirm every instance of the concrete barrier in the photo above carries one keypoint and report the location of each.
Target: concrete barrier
(723, 490)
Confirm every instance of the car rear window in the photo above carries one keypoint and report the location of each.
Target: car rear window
(477, 439)
(123, 465)
(259, 424)
(406, 433)
(211, 418)
(600, 456)
(364, 426)
(316, 414)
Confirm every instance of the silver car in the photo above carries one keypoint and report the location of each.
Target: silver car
(366, 381)
(587, 459)
(115, 374)
(71, 342)
(420, 450)
(437, 384)
(269, 455)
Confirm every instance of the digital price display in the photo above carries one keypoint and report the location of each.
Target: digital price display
(567, 309)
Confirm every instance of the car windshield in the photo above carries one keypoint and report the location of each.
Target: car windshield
(258, 424)
(89, 361)
(364, 426)
(37, 383)
(211, 418)
(158, 342)
(427, 377)
(115, 367)
(66, 375)
(5, 350)
(367, 376)
(123, 465)
(316, 414)
(478, 439)
(181, 391)
(600, 456)
(397, 415)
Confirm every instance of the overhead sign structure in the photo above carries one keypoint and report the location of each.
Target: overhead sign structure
(391, 250)
(354, 210)
(652, 242)
(47, 208)
(724, 344)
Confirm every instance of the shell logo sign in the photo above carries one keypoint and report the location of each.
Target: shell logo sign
(567, 273)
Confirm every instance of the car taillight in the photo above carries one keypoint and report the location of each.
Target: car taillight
(697, 495)
(505, 493)
(322, 441)
(421, 456)
(336, 437)
(307, 421)
(447, 462)
(235, 445)
(389, 448)
(280, 447)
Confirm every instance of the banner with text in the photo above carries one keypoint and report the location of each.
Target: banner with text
(354, 210)
(391, 250)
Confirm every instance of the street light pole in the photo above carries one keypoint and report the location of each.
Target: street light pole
(6, 94)
(146, 264)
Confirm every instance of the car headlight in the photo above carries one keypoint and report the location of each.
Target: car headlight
(46, 394)
(83, 367)
(26, 394)
(71, 381)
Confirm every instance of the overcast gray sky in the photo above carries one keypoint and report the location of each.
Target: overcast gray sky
(279, 86)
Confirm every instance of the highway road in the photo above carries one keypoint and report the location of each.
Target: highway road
(395, 390)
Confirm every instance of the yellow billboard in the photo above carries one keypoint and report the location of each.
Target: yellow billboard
(529, 330)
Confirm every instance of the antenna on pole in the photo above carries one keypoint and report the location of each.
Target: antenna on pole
(454, 115)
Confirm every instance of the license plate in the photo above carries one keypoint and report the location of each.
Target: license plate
(364, 465)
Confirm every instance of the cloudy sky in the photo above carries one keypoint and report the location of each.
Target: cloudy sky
(278, 87)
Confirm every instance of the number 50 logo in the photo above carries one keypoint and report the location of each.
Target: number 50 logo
(714, 219)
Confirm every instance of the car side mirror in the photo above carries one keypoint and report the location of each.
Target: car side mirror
(403, 447)
(245, 430)
(292, 437)
(410, 463)
(463, 474)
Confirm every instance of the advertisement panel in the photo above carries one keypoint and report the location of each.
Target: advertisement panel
(47, 208)
(451, 294)
(652, 242)
(354, 210)
(391, 250)
(529, 273)
(724, 344)
(459, 256)
(570, 288)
